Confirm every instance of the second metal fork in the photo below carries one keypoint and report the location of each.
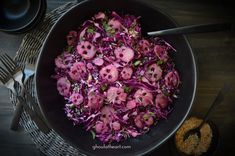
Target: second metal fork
(7, 80)
(21, 78)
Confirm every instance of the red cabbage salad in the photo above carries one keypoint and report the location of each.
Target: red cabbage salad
(116, 83)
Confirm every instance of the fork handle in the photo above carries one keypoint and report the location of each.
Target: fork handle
(16, 116)
(18, 111)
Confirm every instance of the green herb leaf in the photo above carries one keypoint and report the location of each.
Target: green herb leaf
(93, 134)
(107, 27)
(69, 49)
(152, 114)
(127, 89)
(104, 87)
(136, 63)
(90, 30)
(159, 62)
(146, 117)
(112, 31)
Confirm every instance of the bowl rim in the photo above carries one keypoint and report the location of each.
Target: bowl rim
(174, 129)
(39, 8)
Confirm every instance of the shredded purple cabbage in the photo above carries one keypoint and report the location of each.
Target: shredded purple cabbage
(116, 83)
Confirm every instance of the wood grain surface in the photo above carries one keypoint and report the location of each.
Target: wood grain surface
(215, 56)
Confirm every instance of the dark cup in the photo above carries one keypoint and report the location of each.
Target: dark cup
(18, 16)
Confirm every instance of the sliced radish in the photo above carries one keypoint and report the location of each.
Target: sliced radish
(143, 97)
(83, 32)
(116, 126)
(115, 24)
(98, 61)
(90, 66)
(76, 98)
(172, 79)
(124, 53)
(161, 101)
(144, 46)
(139, 121)
(77, 70)
(107, 114)
(148, 119)
(109, 73)
(153, 73)
(101, 127)
(63, 86)
(95, 100)
(134, 134)
(86, 50)
(96, 36)
(116, 95)
(126, 73)
(161, 52)
(64, 61)
(131, 104)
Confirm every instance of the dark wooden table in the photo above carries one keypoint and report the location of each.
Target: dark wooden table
(215, 56)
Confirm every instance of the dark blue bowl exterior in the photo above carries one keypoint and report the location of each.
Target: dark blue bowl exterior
(18, 22)
(52, 103)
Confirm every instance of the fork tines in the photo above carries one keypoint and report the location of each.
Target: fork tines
(4, 75)
(8, 62)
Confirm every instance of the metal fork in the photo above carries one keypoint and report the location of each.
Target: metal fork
(12, 67)
(8, 81)
(22, 78)
(17, 75)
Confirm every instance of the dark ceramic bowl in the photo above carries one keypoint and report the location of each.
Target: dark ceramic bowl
(17, 16)
(52, 104)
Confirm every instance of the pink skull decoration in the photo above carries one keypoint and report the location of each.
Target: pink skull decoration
(116, 126)
(131, 104)
(116, 95)
(124, 53)
(101, 127)
(76, 98)
(139, 121)
(107, 114)
(64, 61)
(161, 52)
(77, 70)
(86, 50)
(153, 73)
(143, 97)
(95, 100)
(144, 46)
(148, 119)
(63, 86)
(109, 73)
(115, 24)
(126, 73)
(161, 101)
(172, 79)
